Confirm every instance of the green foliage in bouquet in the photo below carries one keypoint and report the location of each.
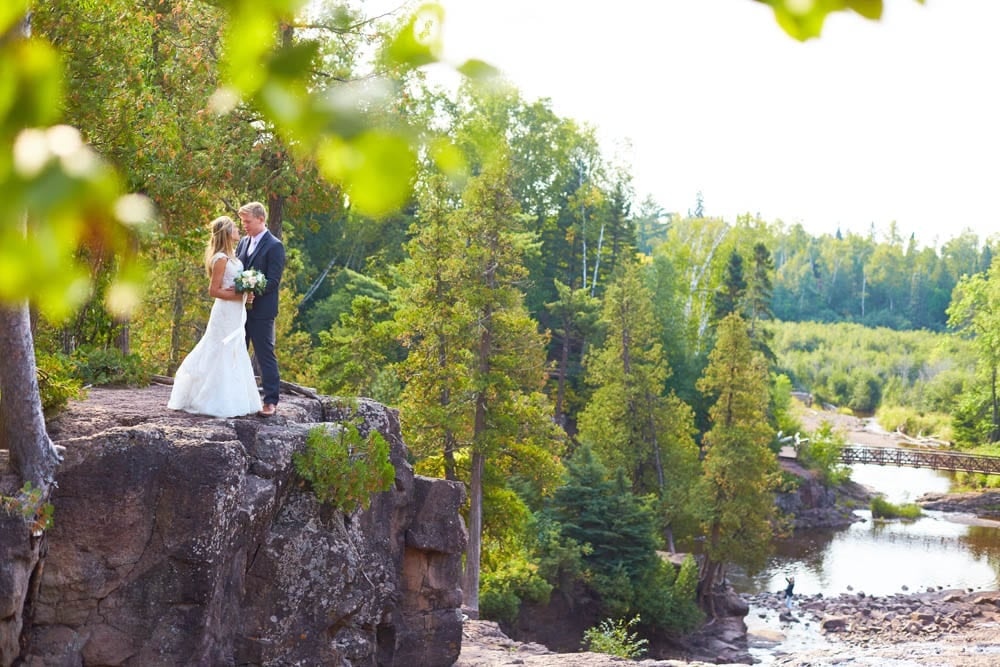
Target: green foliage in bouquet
(345, 469)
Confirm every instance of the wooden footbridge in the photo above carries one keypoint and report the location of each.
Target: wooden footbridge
(913, 457)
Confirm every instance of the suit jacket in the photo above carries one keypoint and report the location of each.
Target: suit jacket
(268, 258)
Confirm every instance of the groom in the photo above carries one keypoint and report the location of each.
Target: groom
(260, 250)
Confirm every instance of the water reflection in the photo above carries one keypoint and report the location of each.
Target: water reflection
(882, 558)
(984, 543)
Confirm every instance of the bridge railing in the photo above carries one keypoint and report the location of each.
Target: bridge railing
(920, 458)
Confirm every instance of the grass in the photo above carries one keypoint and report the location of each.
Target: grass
(915, 423)
(883, 509)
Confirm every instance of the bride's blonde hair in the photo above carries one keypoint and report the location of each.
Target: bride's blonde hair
(221, 241)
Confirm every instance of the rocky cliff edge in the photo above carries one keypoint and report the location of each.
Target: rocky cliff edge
(186, 540)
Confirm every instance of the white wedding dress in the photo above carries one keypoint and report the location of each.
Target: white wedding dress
(216, 378)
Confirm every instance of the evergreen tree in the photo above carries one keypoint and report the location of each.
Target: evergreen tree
(758, 300)
(476, 363)
(356, 357)
(574, 319)
(616, 530)
(739, 468)
(593, 509)
(508, 364)
(699, 206)
(731, 293)
(435, 326)
(651, 226)
(628, 421)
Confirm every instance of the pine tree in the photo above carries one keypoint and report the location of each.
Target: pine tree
(628, 421)
(355, 356)
(476, 365)
(739, 468)
(574, 319)
(758, 300)
(434, 325)
(508, 353)
(603, 513)
(732, 292)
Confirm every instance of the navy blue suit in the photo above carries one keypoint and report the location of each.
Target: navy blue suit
(268, 258)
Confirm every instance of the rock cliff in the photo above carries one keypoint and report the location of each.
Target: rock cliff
(185, 540)
(813, 505)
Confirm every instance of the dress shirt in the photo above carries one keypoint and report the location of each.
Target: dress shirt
(254, 241)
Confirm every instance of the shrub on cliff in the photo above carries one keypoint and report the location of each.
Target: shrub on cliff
(821, 453)
(345, 469)
(504, 589)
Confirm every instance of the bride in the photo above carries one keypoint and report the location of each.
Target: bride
(216, 377)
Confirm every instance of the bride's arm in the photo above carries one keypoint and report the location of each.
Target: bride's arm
(215, 288)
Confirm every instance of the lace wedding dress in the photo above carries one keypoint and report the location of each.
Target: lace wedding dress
(216, 378)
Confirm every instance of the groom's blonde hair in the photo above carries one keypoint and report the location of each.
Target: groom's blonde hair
(221, 241)
(254, 208)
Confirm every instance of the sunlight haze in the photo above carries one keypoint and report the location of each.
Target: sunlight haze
(874, 122)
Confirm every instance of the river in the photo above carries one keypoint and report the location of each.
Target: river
(882, 558)
(939, 550)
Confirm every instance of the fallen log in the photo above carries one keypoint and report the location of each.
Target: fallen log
(288, 387)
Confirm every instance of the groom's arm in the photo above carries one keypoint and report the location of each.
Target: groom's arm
(274, 267)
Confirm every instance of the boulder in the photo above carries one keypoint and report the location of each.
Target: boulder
(813, 505)
(834, 623)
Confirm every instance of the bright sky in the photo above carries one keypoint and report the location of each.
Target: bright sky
(874, 122)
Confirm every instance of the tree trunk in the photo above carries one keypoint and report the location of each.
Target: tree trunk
(123, 339)
(22, 424)
(706, 586)
(470, 578)
(562, 371)
(597, 260)
(450, 469)
(470, 582)
(174, 360)
(583, 234)
(32, 459)
(275, 214)
(32, 456)
(994, 407)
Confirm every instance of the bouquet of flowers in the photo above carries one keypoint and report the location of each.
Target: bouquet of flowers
(251, 280)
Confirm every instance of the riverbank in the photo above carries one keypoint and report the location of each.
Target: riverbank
(982, 508)
(942, 628)
(955, 628)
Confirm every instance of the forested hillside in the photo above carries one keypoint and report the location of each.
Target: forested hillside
(551, 338)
